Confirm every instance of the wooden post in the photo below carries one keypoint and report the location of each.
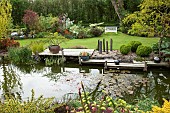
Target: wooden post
(145, 68)
(62, 52)
(107, 47)
(100, 47)
(103, 45)
(105, 65)
(111, 46)
(79, 60)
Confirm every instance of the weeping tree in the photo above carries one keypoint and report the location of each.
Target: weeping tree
(5, 17)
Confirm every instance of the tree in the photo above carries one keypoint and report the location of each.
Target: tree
(153, 19)
(5, 17)
(18, 8)
(118, 6)
(31, 19)
(123, 7)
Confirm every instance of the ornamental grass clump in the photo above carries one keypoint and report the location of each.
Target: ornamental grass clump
(21, 55)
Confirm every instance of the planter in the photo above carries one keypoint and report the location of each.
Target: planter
(116, 62)
(157, 60)
(54, 49)
(85, 58)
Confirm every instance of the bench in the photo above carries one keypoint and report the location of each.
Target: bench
(111, 29)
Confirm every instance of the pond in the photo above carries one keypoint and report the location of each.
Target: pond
(58, 81)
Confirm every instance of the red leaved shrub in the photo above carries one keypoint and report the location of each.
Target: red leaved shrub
(6, 43)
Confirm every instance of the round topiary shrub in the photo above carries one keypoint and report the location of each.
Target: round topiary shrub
(125, 49)
(143, 51)
(134, 45)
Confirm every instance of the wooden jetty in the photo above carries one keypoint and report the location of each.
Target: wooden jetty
(110, 64)
(97, 61)
(67, 52)
(124, 66)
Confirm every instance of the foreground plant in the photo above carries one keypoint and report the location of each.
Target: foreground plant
(165, 108)
(91, 103)
(32, 105)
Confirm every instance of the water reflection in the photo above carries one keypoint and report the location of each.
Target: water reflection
(158, 86)
(19, 80)
(10, 82)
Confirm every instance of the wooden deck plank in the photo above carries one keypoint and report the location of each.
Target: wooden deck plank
(98, 61)
(67, 52)
(125, 66)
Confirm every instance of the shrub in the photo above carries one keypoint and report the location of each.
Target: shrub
(134, 45)
(42, 34)
(6, 43)
(37, 46)
(20, 55)
(125, 49)
(32, 105)
(143, 51)
(96, 31)
(31, 19)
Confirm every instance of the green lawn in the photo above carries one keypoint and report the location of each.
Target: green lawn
(118, 40)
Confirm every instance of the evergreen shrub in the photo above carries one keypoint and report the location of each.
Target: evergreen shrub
(125, 49)
(143, 51)
(134, 45)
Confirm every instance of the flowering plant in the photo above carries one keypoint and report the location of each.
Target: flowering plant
(84, 54)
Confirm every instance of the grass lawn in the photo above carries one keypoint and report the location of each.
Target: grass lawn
(118, 40)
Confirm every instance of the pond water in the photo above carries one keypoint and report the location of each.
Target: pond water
(57, 81)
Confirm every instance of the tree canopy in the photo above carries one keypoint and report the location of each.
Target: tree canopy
(153, 19)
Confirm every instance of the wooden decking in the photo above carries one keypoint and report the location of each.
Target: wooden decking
(97, 61)
(110, 64)
(67, 52)
(125, 66)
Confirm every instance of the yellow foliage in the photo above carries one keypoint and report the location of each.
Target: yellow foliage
(5, 16)
(165, 108)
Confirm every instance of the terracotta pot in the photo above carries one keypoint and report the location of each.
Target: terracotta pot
(54, 49)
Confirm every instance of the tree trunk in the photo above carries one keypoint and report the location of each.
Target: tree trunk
(118, 7)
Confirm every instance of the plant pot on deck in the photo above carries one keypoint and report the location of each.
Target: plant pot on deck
(54, 49)
(116, 62)
(157, 60)
(85, 58)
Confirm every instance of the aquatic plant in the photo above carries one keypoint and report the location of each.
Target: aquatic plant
(21, 55)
